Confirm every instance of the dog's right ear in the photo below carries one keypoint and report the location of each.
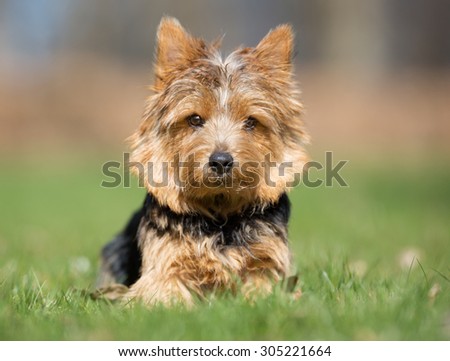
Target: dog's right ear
(175, 51)
(276, 49)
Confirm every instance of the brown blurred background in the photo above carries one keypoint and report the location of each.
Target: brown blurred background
(375, 74)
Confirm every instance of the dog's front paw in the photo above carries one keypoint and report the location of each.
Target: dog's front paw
(153, 291)
(113, 292)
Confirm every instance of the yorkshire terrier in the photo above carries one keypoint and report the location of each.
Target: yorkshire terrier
(220, 143)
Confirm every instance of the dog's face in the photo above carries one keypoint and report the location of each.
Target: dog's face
(220, 134)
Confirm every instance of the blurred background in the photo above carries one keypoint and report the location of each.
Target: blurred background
(375, 77)
(74, 75)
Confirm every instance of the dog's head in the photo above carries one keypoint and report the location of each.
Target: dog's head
(218, 135)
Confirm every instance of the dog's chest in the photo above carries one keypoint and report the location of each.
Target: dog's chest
(208, 252)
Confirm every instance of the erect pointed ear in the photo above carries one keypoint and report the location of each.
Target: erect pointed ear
(176, 48)
(276, 49)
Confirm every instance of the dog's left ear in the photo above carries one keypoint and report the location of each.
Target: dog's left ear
(276, 49)
(175, 49)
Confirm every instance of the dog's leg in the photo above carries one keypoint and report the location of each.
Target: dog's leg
(258, 284)
(154, 289)
(269, 265)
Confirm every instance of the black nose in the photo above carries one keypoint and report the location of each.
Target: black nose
(221, 162)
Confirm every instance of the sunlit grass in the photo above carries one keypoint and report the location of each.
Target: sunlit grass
(373, 260)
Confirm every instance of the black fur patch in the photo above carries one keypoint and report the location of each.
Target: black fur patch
(236, 230)
(122, 256)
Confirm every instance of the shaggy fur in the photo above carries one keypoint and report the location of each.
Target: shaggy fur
(201, 231)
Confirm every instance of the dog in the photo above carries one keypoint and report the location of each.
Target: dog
(220, 144)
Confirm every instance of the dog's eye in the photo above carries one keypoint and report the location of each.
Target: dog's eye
(195, 121)
(250, 123)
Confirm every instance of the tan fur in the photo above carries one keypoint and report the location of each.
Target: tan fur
(191, 77)
(192, 268)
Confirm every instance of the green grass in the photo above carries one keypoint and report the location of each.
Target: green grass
(347, 242)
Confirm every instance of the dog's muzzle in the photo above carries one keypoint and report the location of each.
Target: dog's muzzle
(221, 163)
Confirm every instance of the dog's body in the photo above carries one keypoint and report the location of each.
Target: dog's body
(220, 142)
